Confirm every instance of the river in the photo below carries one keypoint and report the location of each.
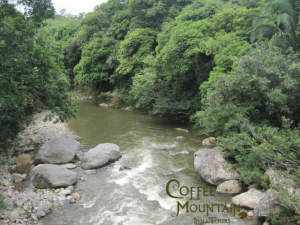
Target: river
(137, 196)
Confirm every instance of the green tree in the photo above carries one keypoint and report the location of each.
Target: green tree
(93, 70)
(277, 23)
(263, 88)
(32, 77)
(133, 50)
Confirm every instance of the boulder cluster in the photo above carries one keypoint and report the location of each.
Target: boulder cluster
(212, 167)
(52, 171)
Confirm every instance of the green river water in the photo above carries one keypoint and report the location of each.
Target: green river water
(137, 196)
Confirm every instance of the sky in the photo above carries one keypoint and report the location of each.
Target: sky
(75, 7)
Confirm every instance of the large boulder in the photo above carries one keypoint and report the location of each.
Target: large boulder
(212, 167)
(101, 155)
(52, 176)
(230, 187)
(279, 179)
(248, 199)
(57, 151)
(266, 204)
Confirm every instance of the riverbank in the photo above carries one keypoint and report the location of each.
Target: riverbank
(26, 205)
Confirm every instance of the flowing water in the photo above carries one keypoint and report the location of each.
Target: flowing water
(137, 196)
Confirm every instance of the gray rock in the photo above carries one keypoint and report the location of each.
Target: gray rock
(248, 199)
(13, 216)
(212, 167)
(74, 196)
(69, 166)
(124, 168)
(18, 177)
(266, 204)
(10, 161)
(34, 217)
(71, 188)
(57, 151)
(209, 142)
(19, 202)
(35, 203)
(153, 204)
(45, 208)
(278, 179)
(20, 211)
(250, 214)
(65, 192)
(27, 148)
(61, 198)
(52, 176)
(9, 202)
(40, 214)
(101, 155)
(230, 187)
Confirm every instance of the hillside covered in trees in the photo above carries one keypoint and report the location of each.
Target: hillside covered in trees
(231, 68)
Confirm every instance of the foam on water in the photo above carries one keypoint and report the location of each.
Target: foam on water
(90, 204)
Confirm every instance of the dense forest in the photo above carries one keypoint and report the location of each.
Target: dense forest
(228, 67)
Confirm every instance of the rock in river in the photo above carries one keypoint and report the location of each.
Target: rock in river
(212, 167)
(101, 155)
(209, 142)
(18, 177)
(248, 199)
(230, 187)
(23, 159)
(266, 204)
(57, 151)
(52, 176)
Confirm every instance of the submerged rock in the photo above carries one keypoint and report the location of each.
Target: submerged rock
(184, 130)
(23, 159)
(180, 138)
(212, 167)
(57, 151)
(101, 155)
(124, 168)
(103, 105)
(52, 176)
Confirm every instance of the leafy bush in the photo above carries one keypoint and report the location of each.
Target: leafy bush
(115, 99)
(264, 87)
